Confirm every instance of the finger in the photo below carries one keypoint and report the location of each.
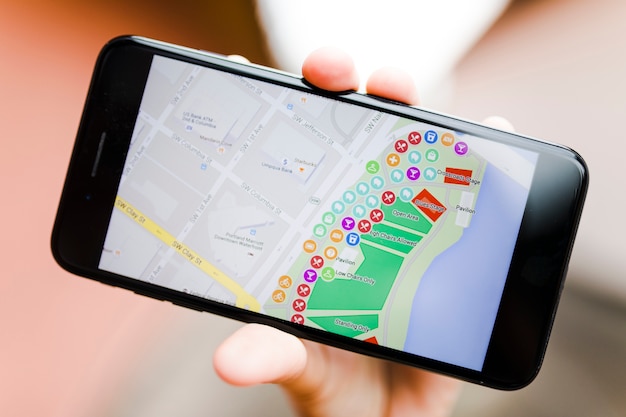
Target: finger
(258, 354)
(394, 84)
(499, 123)
(239, 58)
(331, 69)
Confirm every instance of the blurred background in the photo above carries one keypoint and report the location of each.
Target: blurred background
(71, 347)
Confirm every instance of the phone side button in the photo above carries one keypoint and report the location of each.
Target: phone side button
(150, 295)
(184, 305)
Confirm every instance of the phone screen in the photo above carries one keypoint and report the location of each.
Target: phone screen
(319, 212)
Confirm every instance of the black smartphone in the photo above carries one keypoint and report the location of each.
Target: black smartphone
(342, 218)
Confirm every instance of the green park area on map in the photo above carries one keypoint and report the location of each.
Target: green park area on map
(351, 325)
(369, 286)
(358, 292)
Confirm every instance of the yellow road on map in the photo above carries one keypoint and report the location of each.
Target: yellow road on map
(244, 300)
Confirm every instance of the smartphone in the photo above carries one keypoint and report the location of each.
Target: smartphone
(342, 218)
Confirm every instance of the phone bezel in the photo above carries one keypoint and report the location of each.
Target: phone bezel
(537, 270)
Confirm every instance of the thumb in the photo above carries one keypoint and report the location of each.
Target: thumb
(259, 354)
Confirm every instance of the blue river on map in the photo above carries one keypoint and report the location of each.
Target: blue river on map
(457, 300)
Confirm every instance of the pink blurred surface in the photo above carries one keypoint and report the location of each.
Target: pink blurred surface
(65, 342)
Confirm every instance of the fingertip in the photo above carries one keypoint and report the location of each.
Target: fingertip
(394, 84)
(258, 354)
(499, 123)
(331, 69)
(239, 58)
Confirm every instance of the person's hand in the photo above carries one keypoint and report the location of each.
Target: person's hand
(321, 380)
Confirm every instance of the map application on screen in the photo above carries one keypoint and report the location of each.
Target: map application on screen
(319, 212)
